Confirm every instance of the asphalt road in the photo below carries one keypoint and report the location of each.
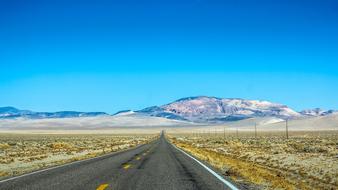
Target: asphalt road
(158, 165)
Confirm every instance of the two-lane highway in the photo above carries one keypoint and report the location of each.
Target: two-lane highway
(158, 165)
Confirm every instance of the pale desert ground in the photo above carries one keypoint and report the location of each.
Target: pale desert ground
(21, 153)
(307, 160)
(90, 123)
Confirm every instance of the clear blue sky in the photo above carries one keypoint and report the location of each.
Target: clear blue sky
(113, 55)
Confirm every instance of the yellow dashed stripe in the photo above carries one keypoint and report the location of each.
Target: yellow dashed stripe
(102, 187)
(126, 166)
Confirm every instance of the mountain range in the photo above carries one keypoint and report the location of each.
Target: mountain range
(11, 112)
(215, 110)
(199, 109)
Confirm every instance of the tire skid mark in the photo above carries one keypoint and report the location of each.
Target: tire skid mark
(145, 160)
(137, 157)
(184, 171)
(143, 163)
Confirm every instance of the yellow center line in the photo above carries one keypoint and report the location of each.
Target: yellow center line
(102, 187)
(126, 166)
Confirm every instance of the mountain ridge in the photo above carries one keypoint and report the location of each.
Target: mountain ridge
(213, 109)
(199, 109)
(316, 112)
(9, 112)
(210, 109)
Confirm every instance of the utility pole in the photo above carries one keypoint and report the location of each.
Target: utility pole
(223, 132)
(287, 129)
(255, 131)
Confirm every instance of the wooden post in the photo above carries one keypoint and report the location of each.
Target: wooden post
(237, 132)
(255, 130)
(224, 132)
(287, 129)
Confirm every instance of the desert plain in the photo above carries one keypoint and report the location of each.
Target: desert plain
(262, 157)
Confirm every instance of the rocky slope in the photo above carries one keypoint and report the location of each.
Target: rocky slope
(212, 109)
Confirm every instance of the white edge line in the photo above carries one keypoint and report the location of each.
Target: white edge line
(63, 165)
(227, 183)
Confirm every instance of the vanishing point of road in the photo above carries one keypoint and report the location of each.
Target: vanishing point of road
(157, 165)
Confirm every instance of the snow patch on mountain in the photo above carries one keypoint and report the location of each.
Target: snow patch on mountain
(124, 112)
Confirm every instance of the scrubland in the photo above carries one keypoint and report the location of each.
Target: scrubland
(22, 153)
(306, 160)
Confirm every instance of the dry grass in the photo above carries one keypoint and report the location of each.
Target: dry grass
(20, 153)
(305, 161)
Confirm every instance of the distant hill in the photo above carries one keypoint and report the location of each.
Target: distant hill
(317, 112)
(11, 112)
(124, 112)
(212, 109)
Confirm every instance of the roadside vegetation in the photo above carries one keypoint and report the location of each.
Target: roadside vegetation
(303, 161)
(22, 153)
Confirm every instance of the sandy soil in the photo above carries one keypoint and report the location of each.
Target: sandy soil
(22, 153)
(305, 161)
